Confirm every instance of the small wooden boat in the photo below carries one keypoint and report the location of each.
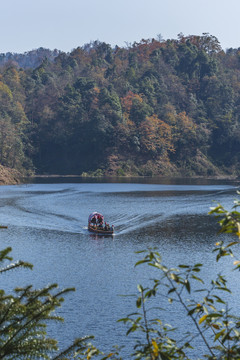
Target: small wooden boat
(95, 224)
(100, 231)
(3, 227)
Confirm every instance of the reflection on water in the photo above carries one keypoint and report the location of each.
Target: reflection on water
(47, 226)
(126, 180)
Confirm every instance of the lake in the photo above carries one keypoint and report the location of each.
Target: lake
(47, 226)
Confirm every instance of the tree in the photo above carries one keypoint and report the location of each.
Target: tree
(156, 136)
(24, 316)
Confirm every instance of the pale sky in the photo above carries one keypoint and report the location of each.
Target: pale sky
(66, 24)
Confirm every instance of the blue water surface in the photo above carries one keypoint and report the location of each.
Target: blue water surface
(47, 226)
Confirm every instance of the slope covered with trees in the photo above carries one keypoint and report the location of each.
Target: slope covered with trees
(153, 107)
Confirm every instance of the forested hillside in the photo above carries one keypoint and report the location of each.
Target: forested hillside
(155, 107)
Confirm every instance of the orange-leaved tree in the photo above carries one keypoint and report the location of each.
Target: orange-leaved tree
(156, 135)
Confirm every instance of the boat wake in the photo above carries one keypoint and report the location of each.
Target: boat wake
(124, 225)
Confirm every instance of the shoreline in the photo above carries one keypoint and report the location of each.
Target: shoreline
(193, 180)
(13, 177)
(217, 177)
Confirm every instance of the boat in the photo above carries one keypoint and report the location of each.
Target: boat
(100, 231)
(95, 224)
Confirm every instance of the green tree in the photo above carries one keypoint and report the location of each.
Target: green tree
(24, 316)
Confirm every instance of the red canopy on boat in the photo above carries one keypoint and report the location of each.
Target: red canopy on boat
(96, 215)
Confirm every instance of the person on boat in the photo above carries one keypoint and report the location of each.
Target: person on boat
(112, 228)
(94, 226)
(99, 219)
(106, 227)
(94, 221)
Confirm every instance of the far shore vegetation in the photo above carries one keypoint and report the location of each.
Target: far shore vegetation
(153, 108)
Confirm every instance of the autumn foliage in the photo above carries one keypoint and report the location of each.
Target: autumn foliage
(152, 106)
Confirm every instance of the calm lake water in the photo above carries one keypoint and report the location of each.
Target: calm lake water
(47, 226)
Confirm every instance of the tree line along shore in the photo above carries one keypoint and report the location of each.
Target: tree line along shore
(155, 107)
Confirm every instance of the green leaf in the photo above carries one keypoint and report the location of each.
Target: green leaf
(139, 302)
(197, 278)
(187, 285)
(224, 289)
(141, 262)
(184, 266)
(220, 333)
(214, 315)
(158, 266)
(123, 320)
(219, 299)
(192, 311)
(174, 277)
(232, 243)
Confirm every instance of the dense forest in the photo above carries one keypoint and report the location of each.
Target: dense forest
(156, 107)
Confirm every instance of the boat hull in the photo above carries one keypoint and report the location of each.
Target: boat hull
(99, 231)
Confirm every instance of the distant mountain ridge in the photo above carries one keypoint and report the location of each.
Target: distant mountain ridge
(29, 59)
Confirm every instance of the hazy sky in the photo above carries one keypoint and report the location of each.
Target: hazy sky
(67, 24)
